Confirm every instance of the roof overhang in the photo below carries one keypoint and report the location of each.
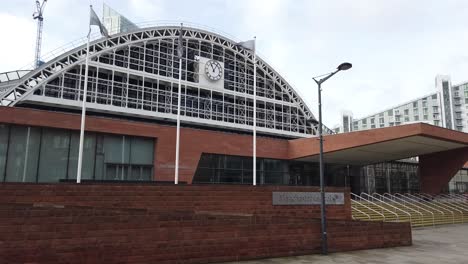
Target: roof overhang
(379, 145)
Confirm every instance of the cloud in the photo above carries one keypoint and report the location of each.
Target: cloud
(397, 47)
(17, 45)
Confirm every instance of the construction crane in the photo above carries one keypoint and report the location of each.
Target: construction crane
(40, 20)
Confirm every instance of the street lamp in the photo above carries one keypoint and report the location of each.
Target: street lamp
(342, 67)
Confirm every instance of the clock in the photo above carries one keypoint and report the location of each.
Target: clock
(213, 70)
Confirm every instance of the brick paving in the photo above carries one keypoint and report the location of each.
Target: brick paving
(443, 244)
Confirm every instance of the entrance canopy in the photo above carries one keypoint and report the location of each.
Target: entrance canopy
(379, 145)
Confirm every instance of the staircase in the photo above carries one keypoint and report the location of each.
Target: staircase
(418, 209)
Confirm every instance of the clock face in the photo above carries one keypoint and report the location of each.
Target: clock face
(213, 70)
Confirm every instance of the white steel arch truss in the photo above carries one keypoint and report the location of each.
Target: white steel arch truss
(135, 73)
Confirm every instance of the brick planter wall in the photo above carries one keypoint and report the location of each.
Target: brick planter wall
(198, 198)
(68, 223)
(30, 234)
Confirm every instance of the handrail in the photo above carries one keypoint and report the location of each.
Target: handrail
(463, 198)
(391, 196)
(429, 203)
(416, 201)
(419, 207)
(447, 199)
(450, 197)
(368, 216)
(402, 202)
(381, 207)
(375, 211)
(455, 202)
(397, 207)
(445, 205)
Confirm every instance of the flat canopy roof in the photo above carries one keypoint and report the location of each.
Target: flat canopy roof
(379, 145)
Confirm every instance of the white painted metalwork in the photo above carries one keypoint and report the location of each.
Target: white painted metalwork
(353, 208)
(446, 206)
(375, 204)
(134, 74)
(368, 208)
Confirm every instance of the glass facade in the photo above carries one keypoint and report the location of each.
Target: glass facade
(459, 182)
(222, 169)
(35, 154)
(389, 177)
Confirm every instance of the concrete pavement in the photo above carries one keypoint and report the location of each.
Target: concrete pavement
(443, 244)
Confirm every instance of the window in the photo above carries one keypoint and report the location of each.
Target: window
(416, 118)
(406, 119)
(458, 115)
(435, 109)
(390, 112)
(382, 125)
(372, 120)
(372, 126)
(435, 116)
(425, 111)
(381, 120)
(436, 122)
(50, 155)
(406, 111)
(381, 114)
(397, 119)
(434, 96)
(424, 103)
(456, 94)
(415, 104)
(397, 111)
(214, 168)
(425, 117)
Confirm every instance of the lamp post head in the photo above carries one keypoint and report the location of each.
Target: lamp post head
(344, 66)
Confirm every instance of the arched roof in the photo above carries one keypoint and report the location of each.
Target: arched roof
(35, 79)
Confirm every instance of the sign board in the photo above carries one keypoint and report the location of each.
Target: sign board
(307, 198)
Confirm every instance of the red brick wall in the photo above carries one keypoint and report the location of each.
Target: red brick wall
(197, 198)
(72, 234)
(437, 169)
(193, 142)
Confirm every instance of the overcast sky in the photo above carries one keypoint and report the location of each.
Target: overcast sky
(397, 47)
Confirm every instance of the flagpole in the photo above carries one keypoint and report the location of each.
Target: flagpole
(176, 177)
(176, 180)
(83, 108)
(255, 116)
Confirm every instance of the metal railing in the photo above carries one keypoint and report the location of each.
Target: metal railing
(443, 198)
(368, 216)
(371, 202)
(369, 208)
(450, 206)
(412, 204)
(420, 204)
(436, 204)
(396, 208)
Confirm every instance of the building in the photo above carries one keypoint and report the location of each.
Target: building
(447, 107)
(132, 103)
